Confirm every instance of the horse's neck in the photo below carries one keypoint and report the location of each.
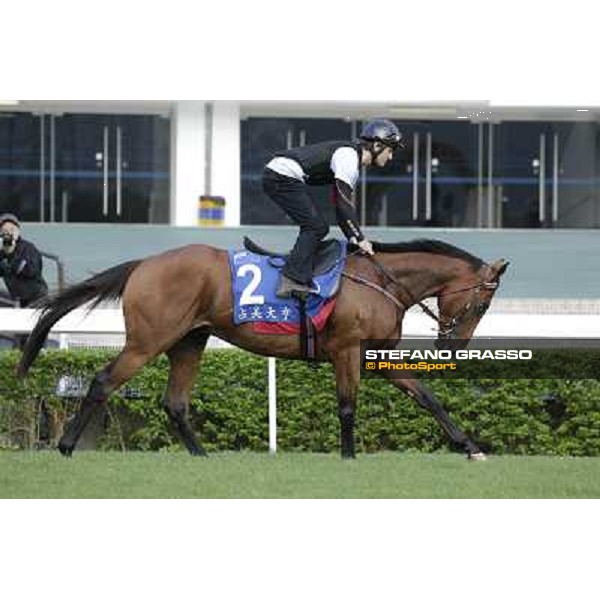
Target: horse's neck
(422, 276)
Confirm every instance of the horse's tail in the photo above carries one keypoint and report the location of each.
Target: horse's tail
(107, 285)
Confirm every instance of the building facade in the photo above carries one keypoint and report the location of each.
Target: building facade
(150, 162)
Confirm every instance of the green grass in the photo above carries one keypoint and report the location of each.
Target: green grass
(293, 475)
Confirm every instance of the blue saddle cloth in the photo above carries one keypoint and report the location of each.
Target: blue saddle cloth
(254, 281)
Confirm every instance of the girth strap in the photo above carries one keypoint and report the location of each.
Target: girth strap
(308, 334)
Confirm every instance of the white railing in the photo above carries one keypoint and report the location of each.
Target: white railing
(110, 321)
(105, 320)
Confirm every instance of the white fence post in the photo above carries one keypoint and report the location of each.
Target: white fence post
(272, 405)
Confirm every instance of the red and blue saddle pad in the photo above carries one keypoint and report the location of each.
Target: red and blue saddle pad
(254, 280)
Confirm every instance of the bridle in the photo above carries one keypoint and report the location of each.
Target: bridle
(476, 306)
(446, 325)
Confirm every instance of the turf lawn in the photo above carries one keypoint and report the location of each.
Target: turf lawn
(45, 474)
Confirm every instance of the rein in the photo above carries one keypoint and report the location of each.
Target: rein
(374, 286)
(402, 307)
(386, 272)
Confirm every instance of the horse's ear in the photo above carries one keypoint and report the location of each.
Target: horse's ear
(499, 267)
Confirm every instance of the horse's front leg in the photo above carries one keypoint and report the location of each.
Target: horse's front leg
(427, 400)
(347, 377)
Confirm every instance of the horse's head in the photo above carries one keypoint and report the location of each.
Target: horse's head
(462, 304)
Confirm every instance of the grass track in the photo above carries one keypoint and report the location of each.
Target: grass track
(293, 475)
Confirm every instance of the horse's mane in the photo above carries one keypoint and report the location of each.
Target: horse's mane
(431, 247)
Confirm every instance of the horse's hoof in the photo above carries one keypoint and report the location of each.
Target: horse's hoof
(65, 450)
(477, 456)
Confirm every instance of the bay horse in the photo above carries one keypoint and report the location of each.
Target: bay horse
(173, 301)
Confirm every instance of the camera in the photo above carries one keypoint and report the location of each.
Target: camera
(7, 239)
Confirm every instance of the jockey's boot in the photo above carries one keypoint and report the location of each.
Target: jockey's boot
(288, 287)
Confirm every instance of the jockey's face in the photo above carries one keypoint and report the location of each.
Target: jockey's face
(384, 156)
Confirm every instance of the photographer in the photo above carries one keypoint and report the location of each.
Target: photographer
(20, 264)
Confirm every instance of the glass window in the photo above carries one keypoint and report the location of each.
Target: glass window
(441, 179)
(85, 167)
(112, 168)
(442, 158)
(20, 144)
(546, 174)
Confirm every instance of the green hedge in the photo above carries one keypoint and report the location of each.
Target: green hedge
(229, 408)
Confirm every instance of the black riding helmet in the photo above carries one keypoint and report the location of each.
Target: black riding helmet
(384, 131)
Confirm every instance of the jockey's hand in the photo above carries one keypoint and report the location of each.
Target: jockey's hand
(366, 247)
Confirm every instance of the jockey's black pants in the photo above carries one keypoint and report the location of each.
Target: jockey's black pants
(292, 196)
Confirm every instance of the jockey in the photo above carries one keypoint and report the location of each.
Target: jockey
(288, 174)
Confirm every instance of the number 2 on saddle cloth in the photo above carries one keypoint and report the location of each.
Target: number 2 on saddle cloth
(254, 278)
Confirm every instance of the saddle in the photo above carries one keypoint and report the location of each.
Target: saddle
(328, 253)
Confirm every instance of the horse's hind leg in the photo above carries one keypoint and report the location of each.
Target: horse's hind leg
(119, 370)
(184, 358)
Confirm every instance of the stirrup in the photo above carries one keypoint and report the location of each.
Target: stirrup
(288, 287)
